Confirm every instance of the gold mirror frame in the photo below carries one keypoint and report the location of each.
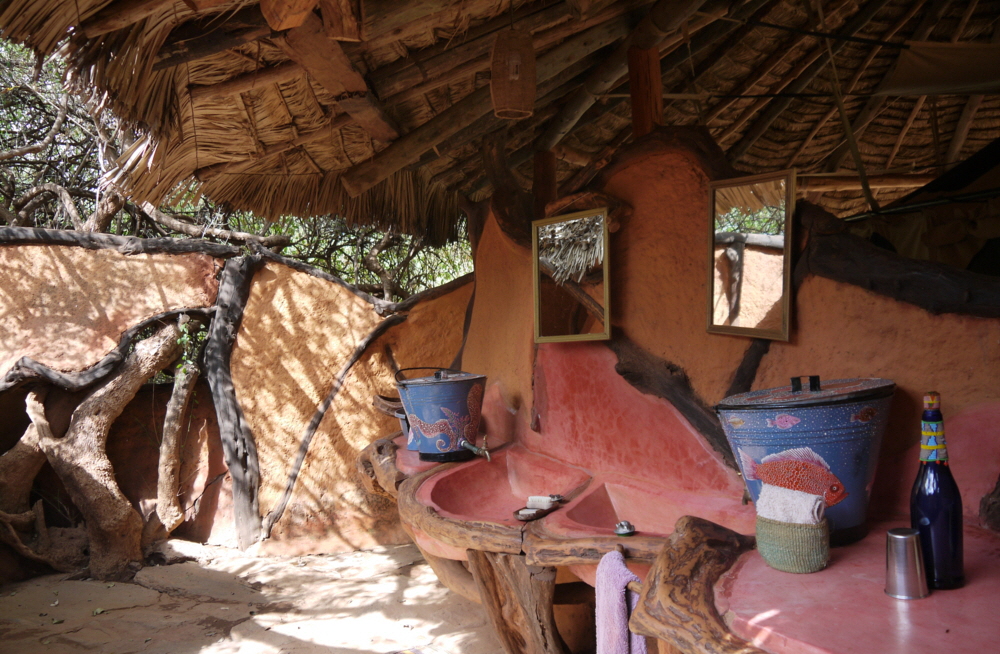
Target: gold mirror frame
(780, 331)
(585, 301)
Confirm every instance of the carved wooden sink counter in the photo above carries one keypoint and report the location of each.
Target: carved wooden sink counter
(470, 505)
(581, 533)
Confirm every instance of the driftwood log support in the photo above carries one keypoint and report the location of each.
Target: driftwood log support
(114, 528)
(169, 513)
(518, 600)
(237, 440)
(677, 602)
(275, 514)
(122, 244)
(377, 468)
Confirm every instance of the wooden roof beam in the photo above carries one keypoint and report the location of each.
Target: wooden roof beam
(408, 149)
(764, 69)
(829, 183)
(120, 14)
(195, 40)
(875, 103)
(965, 120)
(247, 82)
(207, 173)
(664, 18)
(776, 108)
(852, 84)
(549, 26)
(324, 60)
(286, 14)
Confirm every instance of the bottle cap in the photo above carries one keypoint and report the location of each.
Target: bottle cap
(932, 400)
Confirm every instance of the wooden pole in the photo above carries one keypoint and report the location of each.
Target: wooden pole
(544, 181)
(645, 89)
(286, 14)
(825, 183)
(408, 149)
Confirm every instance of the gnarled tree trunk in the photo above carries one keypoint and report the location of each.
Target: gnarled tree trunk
(79, 458)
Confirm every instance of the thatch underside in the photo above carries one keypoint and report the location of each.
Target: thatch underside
(281, 147)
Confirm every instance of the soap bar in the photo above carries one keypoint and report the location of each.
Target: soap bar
(540, 502)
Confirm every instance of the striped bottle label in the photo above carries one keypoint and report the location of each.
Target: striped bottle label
(932, 445)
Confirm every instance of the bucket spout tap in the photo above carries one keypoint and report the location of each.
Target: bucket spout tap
(478, 451)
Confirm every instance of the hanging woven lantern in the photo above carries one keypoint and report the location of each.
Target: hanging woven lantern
(512, 85)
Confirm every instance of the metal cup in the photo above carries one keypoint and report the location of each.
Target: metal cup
(905, 576)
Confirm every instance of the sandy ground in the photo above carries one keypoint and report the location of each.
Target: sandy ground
(214, 600)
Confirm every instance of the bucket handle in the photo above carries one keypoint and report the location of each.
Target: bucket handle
(813, 384)
(437, 372)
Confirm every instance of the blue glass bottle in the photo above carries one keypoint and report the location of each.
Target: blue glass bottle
(936, 504)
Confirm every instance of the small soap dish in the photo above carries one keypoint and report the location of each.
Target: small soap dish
(539, 506)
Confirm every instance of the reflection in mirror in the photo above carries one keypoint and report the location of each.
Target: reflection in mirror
(749, 255)
(571, 277)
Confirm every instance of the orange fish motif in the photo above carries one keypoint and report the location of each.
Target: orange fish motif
(864, 415)
(798, 469)
(736, 422)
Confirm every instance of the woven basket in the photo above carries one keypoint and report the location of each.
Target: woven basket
(791, 547)
(512, 75)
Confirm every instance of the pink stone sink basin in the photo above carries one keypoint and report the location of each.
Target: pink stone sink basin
(482, 491)
(653, 511)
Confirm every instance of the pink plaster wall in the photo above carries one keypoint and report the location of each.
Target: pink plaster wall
(584, 411)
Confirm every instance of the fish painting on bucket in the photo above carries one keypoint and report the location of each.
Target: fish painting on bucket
(798, 469)
(783, 421)
(864, 415)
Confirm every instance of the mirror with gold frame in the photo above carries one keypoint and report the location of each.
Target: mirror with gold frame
(570, 266)
(749, 290)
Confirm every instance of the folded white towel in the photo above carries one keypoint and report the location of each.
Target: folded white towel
(786, 505)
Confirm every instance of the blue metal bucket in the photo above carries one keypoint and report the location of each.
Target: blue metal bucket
(824, 440)
(443, 410)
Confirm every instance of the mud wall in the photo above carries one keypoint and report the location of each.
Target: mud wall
(659, 269)
(66, 307)
(298, 332)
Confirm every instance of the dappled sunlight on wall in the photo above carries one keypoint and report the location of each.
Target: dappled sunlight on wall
(297, 332)
(67, 307)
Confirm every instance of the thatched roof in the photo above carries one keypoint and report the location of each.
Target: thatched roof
(385, 124)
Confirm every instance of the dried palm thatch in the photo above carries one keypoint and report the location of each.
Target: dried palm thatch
(572, 248)
(285, 144)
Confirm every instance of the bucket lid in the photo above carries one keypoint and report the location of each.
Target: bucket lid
(440, 376)
(816, 393)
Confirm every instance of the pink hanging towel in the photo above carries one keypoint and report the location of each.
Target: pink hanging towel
(614, 606)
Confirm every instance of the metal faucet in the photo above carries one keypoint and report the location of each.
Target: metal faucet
(478, 451)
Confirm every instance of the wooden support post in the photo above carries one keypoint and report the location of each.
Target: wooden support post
(286, 14)
(326, 63)
(544, 181)
(646, 90)
(677, 604)
(518, 600)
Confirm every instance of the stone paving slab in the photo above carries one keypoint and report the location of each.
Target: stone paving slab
(223, 602)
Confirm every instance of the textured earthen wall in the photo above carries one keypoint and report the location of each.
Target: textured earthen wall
(659, 275)
(205, 489)
(67, 307)
(297, 333)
